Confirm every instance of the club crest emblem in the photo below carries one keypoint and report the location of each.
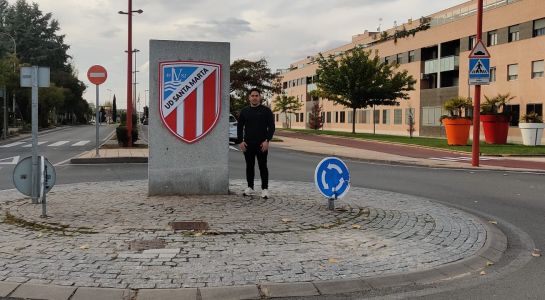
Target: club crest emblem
(189, 98)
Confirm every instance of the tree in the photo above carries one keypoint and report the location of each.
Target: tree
(245, 75)
(315, 120)
(114, 110)
(357, 80)
(287, 105)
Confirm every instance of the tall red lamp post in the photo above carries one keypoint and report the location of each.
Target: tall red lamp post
(129, 70)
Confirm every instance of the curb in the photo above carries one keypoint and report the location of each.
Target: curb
(492, 251)
(108, 160)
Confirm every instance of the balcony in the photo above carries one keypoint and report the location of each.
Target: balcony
(449, 63)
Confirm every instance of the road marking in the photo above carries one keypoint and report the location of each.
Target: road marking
(12, 144)
(81, 143)
(30, 145)
(10, 160)
(58, 144)
(462, 158)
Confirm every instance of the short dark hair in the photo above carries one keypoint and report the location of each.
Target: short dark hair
(255, 90)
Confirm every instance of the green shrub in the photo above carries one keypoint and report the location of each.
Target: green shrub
(122, 137)
(124, 119)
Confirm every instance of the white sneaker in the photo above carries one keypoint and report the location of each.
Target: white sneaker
(248, 191)
(265, 194)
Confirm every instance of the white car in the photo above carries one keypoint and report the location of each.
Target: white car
(232, 128)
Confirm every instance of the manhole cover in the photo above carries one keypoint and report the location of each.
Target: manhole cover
(189, 225)
(140, 245)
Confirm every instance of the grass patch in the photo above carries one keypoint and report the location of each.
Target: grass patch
(438, 143)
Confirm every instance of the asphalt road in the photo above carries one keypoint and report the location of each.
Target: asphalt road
(515, 200)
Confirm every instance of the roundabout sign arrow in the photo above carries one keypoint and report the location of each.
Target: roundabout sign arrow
(332, 178)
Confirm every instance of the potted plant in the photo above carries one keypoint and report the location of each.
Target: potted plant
(531, 127)
(457, 123)
(495, 119)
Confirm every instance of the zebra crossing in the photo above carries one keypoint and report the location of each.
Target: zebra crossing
(28, 144)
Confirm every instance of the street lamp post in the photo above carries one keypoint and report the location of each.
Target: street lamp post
(5, 131)
(134, 80)
(129, 69)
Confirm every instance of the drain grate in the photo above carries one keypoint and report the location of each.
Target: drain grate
(140, 245)
(189, 225)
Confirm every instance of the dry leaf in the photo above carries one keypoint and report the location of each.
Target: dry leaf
(483, 273)
(326, 225)
(84, 247)
(536, 253)
(493, 222)
(332, 261)
(356, 226)
(489, 263)
(40, 234)
(286, 220)
(198, 234)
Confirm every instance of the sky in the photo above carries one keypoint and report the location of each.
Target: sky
(282, 31)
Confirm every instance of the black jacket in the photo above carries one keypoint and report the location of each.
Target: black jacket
(255, 125)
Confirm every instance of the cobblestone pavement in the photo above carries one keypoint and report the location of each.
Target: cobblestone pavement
(111, 234)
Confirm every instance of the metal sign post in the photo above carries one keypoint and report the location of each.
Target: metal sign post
(97, 75)
(35, 77)
(22, 179)
(332, 179)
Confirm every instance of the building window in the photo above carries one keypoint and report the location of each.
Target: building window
(512, 72)
(301, 117)
(386, 116)
(362, 117)
(399, 59)
(536, 108)
(350, 116)
(514, 34)
(297, 118)
(513, 110)
(411, 56)
(492, 38)
(284, 85)
(537, 68)
(328, 119)
(386, 60)
(342, 117)
(336, 117)
(472, 42)
(431, 115)
(539, 27)
(277, 117)
(398, 116)
(492, 74)
(409, 113)
(376, 116)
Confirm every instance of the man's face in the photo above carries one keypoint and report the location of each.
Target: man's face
(255, 98)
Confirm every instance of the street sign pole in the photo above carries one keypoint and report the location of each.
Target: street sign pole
(477, 101)
(35, 165)
(97, 120)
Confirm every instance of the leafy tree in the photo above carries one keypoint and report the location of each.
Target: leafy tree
(287, 105)
(357, 80)
(245, 75)
(114, 111)
(315, 120)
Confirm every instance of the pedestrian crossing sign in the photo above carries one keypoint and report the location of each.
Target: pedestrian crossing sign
(479, 71)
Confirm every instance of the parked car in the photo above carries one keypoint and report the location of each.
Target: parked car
(232, 128)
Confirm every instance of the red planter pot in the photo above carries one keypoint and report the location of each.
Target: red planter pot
(496, 128)
(457, 130)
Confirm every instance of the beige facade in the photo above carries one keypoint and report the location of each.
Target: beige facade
(437, 57)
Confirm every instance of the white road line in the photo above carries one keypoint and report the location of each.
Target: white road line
(30, 145)
(81, 143)
(60, 143)
(12, 144)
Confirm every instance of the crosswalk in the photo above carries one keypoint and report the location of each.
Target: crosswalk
(28, 144)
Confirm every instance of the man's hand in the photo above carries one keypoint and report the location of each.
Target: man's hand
(264, 146)
(243, 146)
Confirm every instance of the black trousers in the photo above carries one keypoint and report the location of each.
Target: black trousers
(253, 151)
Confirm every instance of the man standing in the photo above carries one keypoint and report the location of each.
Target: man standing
(254, 132)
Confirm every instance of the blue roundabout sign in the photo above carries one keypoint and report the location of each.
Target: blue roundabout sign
(332, 178)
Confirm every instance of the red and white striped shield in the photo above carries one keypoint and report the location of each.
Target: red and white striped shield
(189, 98)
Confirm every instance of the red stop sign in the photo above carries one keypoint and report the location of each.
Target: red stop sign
(97, 74)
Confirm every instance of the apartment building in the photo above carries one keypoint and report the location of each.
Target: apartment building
(435, 52)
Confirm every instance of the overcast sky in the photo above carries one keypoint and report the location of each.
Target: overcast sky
(282, 31)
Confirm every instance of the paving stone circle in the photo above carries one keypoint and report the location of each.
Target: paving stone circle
(111, 234)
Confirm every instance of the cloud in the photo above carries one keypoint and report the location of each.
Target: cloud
(226, 29)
